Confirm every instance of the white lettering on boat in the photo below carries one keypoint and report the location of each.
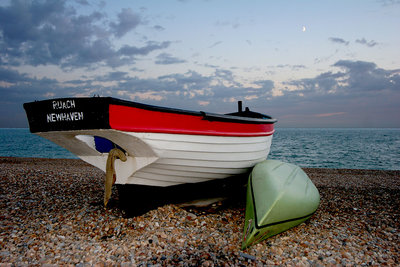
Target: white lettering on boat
(69, 116)
(67, 104)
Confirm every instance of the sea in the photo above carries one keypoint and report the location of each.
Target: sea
(339, 148)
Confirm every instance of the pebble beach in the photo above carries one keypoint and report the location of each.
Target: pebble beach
(52, 213)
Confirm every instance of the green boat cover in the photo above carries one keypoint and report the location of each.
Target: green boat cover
(279, 196)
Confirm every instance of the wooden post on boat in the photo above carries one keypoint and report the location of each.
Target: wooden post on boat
(110, 172)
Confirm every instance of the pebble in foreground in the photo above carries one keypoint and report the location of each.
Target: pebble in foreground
(52, 212)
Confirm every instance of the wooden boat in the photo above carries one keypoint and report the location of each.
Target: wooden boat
(163, 146)
(279, 196)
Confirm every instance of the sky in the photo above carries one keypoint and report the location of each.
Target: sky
(306, 63)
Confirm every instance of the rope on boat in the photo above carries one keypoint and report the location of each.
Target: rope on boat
(110, 172)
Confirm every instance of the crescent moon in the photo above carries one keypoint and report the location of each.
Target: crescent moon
(304, 28)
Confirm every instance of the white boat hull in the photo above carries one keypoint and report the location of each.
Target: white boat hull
(162, 159)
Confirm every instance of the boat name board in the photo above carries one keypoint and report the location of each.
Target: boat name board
(65, 116)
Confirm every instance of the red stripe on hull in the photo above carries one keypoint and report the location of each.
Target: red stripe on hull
(133, 119)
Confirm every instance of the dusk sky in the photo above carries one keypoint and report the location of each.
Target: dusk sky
(306, 63)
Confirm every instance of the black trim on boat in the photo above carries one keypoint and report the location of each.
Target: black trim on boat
(238, 118)
(274, 223)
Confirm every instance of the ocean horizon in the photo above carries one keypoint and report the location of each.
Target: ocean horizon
(336, 148)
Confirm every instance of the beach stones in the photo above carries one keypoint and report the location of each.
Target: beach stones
(51, 212)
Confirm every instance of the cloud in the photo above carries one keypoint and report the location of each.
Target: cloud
(355, 78)
(390, 2)
(361, 76)
(83, 2)
(363, 41)
(54, 33)
(127, 54)
(151, 46)
(353, 82)
(215, 44)
(338, 40)
(16, 87)
(168, 59)
(329, 114)
(8, 76)
(159, 28)
(292, 67)
(368, 95)
(351, 94)
(127, 20)
(186, 83)
(115, 76)
(233, 24)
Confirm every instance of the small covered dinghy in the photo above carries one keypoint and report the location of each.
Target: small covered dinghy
(279, 196)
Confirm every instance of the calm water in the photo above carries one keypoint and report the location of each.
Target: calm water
(21, 143)
(306, 147)
(350, 148)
